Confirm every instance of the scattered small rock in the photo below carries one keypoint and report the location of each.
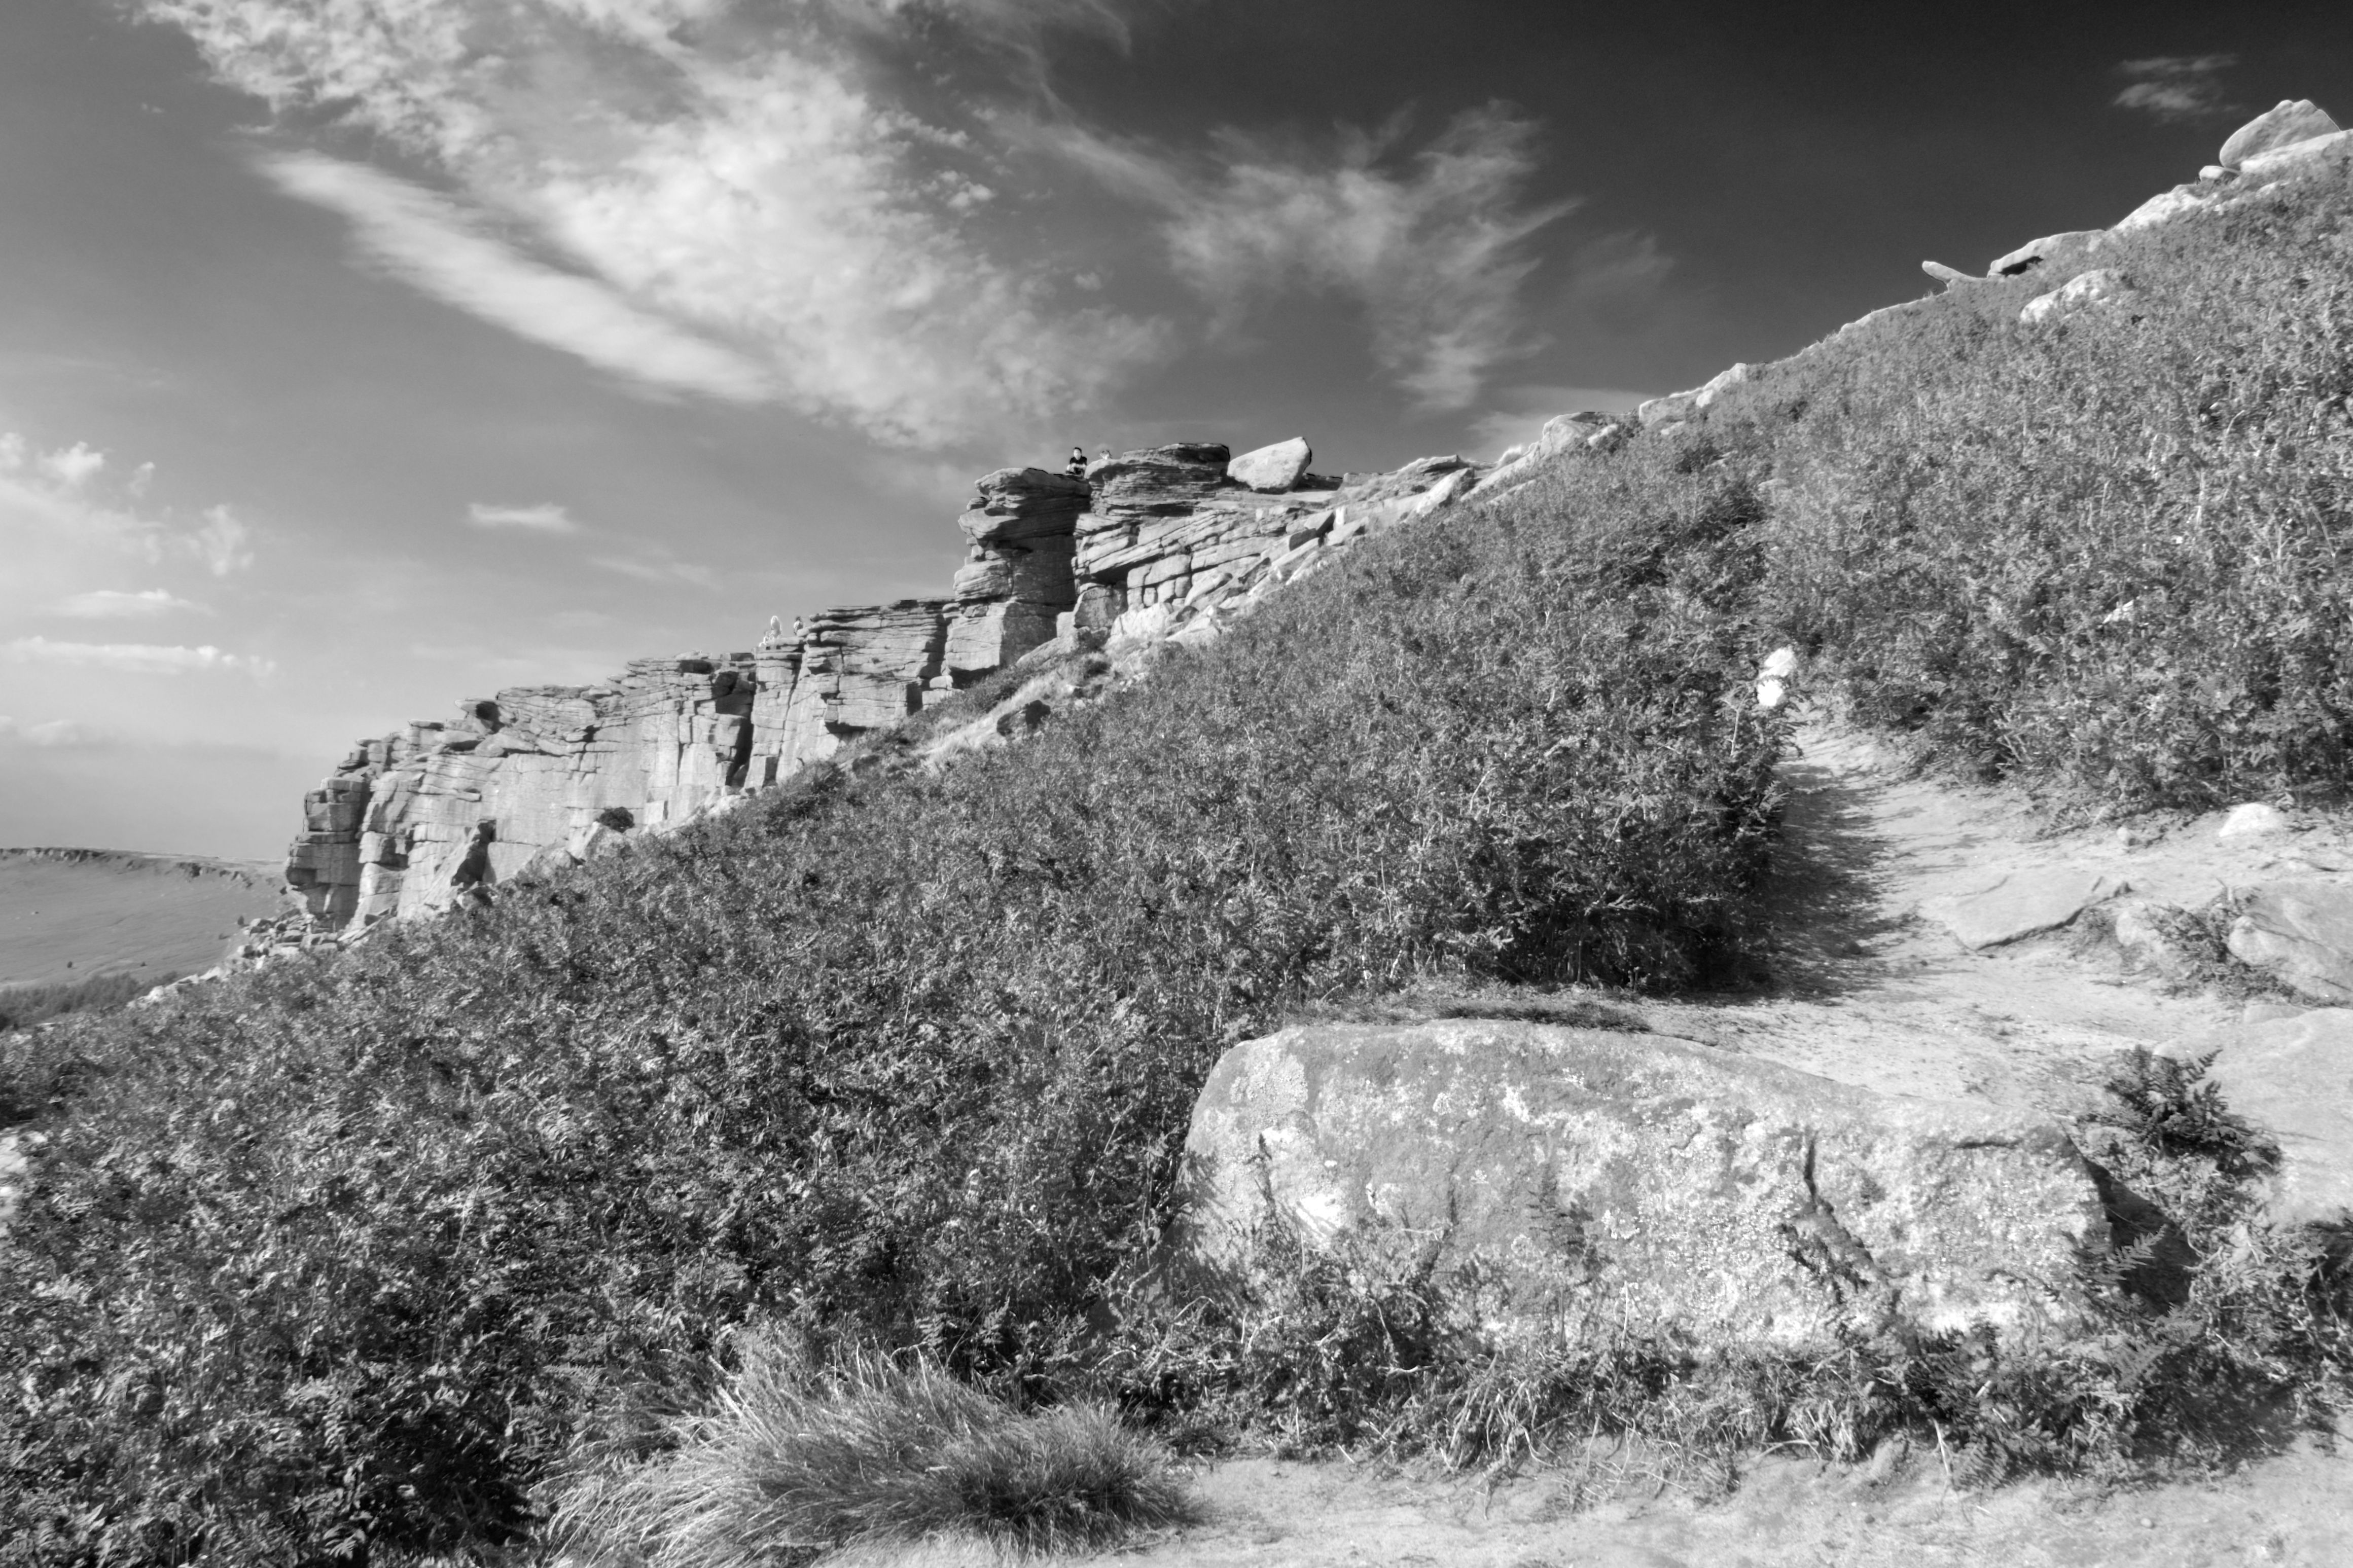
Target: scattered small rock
(2255, 819)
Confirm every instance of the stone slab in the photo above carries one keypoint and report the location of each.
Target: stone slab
(2022, 904)
(2294, 1079)
(2301, 933)
(1597, 1175)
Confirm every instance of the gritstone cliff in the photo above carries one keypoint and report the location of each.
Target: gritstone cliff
(1161, 544)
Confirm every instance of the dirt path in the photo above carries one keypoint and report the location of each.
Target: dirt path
(1874, 990)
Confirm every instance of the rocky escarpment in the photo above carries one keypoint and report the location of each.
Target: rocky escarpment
(1164, 543)
(1167, 544)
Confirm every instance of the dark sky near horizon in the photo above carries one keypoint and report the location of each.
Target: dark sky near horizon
(346, 370)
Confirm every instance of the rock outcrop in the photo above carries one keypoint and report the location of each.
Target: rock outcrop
(1581, 1177)
(384, 833)
(1016, 581)
(2098, 287)
(2293, 122)
(1151, 547)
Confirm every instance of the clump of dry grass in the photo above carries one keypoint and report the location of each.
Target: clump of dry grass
(794, 1460)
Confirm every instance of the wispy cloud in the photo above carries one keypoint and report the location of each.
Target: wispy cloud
(545, 518)
(1432, 244)
(112, 605)
(431, 243)
(2175, 88)
(665, 569)
(738, 201)
(133, 658)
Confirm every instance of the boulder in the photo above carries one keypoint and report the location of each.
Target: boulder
(2293, 1077)
(1948, 276)
(2293, 121)
(1275, 467)
(1680, 405)
(1773, 678)
(2020, 904)
(1579, 1177)
(2162, 209)
(2270, 166)
(2084, 290)
(2301, 933)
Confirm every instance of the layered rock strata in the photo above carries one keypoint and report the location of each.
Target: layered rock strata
(1153, 546)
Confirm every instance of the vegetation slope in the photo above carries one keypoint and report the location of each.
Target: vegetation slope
(351, 1259)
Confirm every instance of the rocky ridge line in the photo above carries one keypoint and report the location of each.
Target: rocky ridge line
(1167, 545)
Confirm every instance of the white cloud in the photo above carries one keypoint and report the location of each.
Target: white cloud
(223, 543)
(430, 243)
(1433, 245)
(133, 658)
(72, 465)
(2176, 87)
(109, 603)
(750, 212)
(53, 498)
(545, 518)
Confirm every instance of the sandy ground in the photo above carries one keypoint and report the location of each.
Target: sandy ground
(2294, 1510)
(67, 920)
(1873, 991)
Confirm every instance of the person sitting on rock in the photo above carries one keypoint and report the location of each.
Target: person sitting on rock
(1077, 467)
(473, 878)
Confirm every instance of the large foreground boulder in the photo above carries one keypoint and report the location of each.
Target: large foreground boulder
(1585, 1176)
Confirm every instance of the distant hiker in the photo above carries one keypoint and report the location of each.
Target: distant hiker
(472, 879)
(1077, 467)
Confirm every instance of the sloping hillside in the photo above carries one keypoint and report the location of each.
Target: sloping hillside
(381, 1253)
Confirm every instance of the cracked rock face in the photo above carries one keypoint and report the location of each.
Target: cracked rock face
(1599, 1176)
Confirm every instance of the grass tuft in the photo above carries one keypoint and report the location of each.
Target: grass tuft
(793, 1461)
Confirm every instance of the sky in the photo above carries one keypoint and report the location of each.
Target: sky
(361, 357)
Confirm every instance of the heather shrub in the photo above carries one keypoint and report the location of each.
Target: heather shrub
(342, 1257)
(2109, 554)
